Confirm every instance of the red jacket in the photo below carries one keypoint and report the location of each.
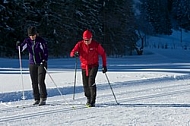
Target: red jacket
(89, 54)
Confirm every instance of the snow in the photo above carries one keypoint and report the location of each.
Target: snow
(152, 90)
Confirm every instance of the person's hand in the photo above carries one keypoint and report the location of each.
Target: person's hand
(17, 43)
(104, 69)
(43, 62)
(76, 54)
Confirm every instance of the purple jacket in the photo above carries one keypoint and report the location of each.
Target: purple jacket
(37, 49)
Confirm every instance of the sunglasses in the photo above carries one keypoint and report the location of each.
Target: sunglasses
(87, 40)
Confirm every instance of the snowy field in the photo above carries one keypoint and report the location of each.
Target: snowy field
(152, 90)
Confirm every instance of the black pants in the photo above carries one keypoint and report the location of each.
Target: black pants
(89, 84)
(37, 75)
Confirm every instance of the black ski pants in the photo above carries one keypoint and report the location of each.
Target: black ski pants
(37, 75)
(89, 84)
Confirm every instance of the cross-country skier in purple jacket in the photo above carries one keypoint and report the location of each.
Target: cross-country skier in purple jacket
(38, 56)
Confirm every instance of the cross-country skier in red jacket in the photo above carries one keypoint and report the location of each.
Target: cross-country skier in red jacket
(88, 51)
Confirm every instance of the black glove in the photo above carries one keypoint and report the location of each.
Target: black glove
(104, 69)
(76, 54)
(43, 62)
(17, 43)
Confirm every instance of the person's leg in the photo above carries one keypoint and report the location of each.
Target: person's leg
(41, 82)
(86, 86)
(92, 76)
(33, 69)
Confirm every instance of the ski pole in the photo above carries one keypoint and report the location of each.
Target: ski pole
(53, 81)
(76, 62)
(57, 87)
(111, 88)
(20, 62)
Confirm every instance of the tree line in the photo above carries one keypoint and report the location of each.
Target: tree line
(116, 24)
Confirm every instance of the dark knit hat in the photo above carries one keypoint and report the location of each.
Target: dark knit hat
(87, 34)
(32, 31)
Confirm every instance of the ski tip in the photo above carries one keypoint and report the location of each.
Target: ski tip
(87, 106)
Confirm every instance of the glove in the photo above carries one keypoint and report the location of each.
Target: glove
(104, 69)
(17, 43)
(76, 54)
(43, 62)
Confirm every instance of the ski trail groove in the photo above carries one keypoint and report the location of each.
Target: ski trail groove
(39, 113)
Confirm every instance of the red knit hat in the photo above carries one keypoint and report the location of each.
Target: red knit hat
(87, 34)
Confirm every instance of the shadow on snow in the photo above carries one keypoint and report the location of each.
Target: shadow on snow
(146, 105)
(17, 96)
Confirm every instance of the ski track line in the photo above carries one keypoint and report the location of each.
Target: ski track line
(22, 105)
(159, 87)
(164, 90)
(151, 80)
(156, 89)
(14, 108)
(155, 95)
(33, 116)
(159, 92)
(39, 113)
(135, 91)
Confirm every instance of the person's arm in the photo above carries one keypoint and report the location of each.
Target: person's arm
(45, 50)
(102, 52)
(75, 51)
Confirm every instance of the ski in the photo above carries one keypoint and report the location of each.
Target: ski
(31, 105)
(88, 106)
(53, 105)
(46, 105)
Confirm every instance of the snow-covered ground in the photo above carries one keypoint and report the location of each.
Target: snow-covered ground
(152, 90)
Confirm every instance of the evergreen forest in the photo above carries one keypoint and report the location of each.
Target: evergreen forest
(117, 24)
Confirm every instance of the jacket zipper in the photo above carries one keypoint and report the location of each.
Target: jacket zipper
(34, 52)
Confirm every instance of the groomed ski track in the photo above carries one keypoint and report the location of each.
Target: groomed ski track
(138, 95)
